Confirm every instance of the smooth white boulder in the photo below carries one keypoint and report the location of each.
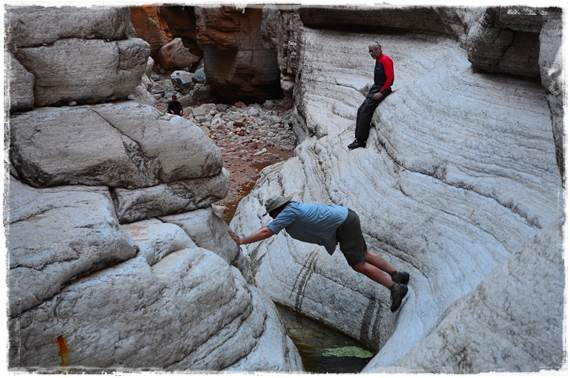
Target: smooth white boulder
(171, 198)
(207, 230)
(156, 240)
(188, 311)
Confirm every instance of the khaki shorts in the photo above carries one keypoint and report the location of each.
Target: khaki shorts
(349, 236)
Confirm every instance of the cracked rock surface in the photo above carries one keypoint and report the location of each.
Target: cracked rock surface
(21, 85)
(57, 235)
(207, 230)
(459, 175)
(126, 145)
(82, 55)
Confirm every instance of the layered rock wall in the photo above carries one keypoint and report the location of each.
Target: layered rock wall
(457, 178)
(511, 326)
(239, 61)
(505, 40)
(181, 21)
(150, 26)
(73, 56)
(526, 42)
(453, 22)
(116, 257)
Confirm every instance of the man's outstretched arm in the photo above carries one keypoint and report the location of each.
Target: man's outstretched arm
(261, 234)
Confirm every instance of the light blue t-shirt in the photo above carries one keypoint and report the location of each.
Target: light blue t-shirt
(311, 223)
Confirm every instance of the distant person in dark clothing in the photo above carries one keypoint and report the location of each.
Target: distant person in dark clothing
(383, 79)
(174, 107)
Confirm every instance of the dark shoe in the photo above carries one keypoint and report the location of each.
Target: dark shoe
(355, 144)
(397, 293)
(400, 277)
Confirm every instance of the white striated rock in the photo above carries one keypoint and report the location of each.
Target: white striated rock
(275, 351)
(459, 174)
(511, 322)
(189, 311)
(126, 145)
(458, 20)
(34, 26)
(171, 198)
(55, 236)
(21, 85)
(87, 71)
(207, 230)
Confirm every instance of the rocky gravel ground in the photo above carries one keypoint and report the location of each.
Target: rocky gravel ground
(251, 137)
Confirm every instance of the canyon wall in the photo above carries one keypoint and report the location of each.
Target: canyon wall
(458, 185)
(116, 258)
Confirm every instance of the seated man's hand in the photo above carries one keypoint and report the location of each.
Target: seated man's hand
(376, 96)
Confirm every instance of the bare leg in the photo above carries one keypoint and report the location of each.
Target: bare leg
(378, 262)
(374, 274)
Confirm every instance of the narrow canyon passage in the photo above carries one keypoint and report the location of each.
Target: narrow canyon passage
(139, 136)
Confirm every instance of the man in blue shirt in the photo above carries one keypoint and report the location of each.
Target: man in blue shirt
(328, 225)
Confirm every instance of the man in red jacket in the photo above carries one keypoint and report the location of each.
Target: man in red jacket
(383, 79)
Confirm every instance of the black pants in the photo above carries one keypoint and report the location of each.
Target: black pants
(365, 113)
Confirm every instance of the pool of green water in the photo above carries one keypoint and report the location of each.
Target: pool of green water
(323, 349)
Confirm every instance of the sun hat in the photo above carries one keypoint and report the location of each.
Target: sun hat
(277, 201)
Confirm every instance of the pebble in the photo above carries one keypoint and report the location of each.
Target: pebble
(260, 152)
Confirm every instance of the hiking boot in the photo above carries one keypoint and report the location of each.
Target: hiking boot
(397, 293)
(400, 277)
(355, 144)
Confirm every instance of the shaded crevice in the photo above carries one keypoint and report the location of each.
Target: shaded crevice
(52, 43)
(115, 201)
(38, 213)
(26, 170)
(559, 150)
